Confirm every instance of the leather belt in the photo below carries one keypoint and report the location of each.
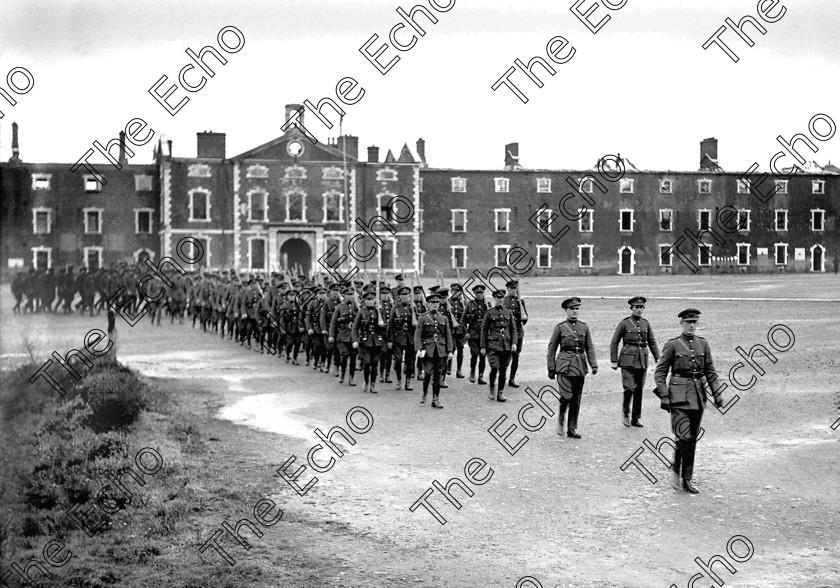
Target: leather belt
(689, 374)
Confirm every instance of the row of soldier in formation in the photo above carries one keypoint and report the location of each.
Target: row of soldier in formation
(42, 288)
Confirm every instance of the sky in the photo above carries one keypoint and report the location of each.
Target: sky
(642, 86)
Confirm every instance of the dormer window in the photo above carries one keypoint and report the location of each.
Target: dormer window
(199, 170)
(386, 175)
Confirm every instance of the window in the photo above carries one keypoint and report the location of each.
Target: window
(704, 186)
(666, 220)
(93, 221)
(198, 170)
(420, 219)
(91, 185)
(743, 254)
(543, 256)
(41, 182)
(256, 171)
(257, 206)
(295, 172)
(781, 220)
(585, 222)
(781, 253)
(704, 219)
(817, 220)
(143, 221)
(459, 184)
(666, 255)
(420, 185)
(256, 253)
(626, 219)
(544, 221)
(501, 255)
(41, 257)
(817, 187)
(743, 186)
(625, 185)
(333, 207)
(543, 185)
(93, 257)
(705, 255)
(295, 207)
(586, 185)
(332, 173)
(781, 186)
(502, 220)
(386, 175)
(199, 205)
(502, 185)
(585, 255)
(459, 220)
(142, 183)
(42, 221)
(743, 220)
(459, 257)
(666, 186)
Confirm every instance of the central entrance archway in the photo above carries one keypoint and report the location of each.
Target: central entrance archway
(296, 253)
(626, 260)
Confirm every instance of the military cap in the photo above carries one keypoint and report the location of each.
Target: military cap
(478, 288)
(384, 290)
(334, 287)
(418, 289)
(433, 297)
(512, 284)
(369, 294)
(369, 288)
(573, 302)
(358, 283)
(637, 300)
(456, 287)
(399, 278)
(403, 290)
(690, 315)
(434, 288)
(321, 290)
(349, 290)
(442, 292)
(498, 294)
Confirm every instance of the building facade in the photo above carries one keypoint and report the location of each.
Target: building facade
(293, 205)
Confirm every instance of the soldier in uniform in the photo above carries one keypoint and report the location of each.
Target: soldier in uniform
(633, 360)
(433, 342)
(341, 334)
(516, 306)
(471, 322)
(327, 311)
(368, 335)
(459, 333)
(290, 324)
(386, 303)
(569, 349)
(401, 326)
(17, 288)
(419, 310)
(693, 374)
(498, 339)
(312, 320)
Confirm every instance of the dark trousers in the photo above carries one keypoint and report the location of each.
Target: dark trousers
(514, 362)
(633, 381)
(499, 361)
(370, 356)
(404, 351)
(348, 356)
(685, 424)
(433, 366)
(476, 357)
(575, 384)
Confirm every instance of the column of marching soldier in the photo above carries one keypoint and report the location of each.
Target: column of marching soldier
(417, 330)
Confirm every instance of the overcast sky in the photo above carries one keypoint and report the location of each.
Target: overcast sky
(642, 86)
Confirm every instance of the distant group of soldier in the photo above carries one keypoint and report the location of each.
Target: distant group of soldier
(401, 330)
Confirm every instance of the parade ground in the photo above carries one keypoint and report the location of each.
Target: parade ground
(557, 511)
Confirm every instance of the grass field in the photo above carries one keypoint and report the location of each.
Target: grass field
(559, 510)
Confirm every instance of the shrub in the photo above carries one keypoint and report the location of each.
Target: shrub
(108, 445)
(115, 396)
(41, 491)
(19, 396)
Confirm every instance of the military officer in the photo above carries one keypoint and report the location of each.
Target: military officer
(498, 339)
(419, 310)
(386, 303)
(312, 320)
(569, 349)
(341, 333)
(471, 321)
(368, 335)
(637, 335)
(693, 376)
(433, 342)
(459, 333)
(520, 315)
(327, 312)
(401, 325)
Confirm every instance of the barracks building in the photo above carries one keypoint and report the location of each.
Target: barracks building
(289, 203)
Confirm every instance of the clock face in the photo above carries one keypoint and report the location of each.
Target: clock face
(295, 148)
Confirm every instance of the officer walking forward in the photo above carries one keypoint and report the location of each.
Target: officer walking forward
(433, 342)
(633, 360)
(689, 359)
(567, 362)
(498, 339)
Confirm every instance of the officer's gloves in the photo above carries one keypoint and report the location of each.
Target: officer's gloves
(552, 375)
(665, 404)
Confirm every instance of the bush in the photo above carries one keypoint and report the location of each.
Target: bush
(115, 396)
(19, 396)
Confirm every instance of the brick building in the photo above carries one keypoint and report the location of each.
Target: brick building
(288, 203)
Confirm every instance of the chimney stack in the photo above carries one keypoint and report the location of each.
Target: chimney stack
(421, 150)
(123, 160)
(210, 144)
(512, 156)
(290, 110)
(709, 151)
(15, 147)
(373, 154)
(349, 144)
(169, 142)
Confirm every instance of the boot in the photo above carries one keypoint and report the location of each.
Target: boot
(501, 397)
(351, 382)
(561, 424)
(425, 392)
(458, 374)
(372, 385)
(687, 485)
(388, 379)
(365, 387)
(676, 480)
(626, 419)
(472, 376)
(492, 391)
(408, 383)
(512, 383)
(436, 402)
(481, 380)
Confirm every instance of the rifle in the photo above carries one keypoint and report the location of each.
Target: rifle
(455, 323)
(378, 304)
(411, 298)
